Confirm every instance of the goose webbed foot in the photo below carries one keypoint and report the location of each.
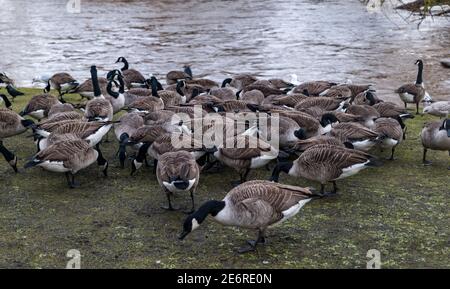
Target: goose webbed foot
(71, 181)
(391, 158)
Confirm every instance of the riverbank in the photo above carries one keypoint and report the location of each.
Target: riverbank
(400, 209)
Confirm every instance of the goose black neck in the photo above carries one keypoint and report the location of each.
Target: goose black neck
(125, 64)
(122, 85)
(9, 156)
(281, 167)
(142, 152)
(419, 79)
(226, 81)
(6, 100)
(188, 71)
(95, 84)
(180, 84)
(110, 91)
(154, 86)
(209, 208)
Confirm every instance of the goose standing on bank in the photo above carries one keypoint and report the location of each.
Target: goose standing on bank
(11, 124)
(68, 157)
(326, 163)
(439, 108)
(413, 93)
(255, 205)
(390, 133)
(39, 106)
(127, 125)
(132, 77)
(178, 172)
(98, 108)
(62, 82)
(435, 136)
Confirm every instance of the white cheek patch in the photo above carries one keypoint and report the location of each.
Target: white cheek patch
(195, 224)
(137, 164)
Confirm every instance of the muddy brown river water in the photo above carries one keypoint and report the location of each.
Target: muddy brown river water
(330, 39)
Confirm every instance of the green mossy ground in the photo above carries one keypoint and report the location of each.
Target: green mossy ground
(401, 209)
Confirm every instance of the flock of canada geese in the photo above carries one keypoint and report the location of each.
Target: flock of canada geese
(325, 132)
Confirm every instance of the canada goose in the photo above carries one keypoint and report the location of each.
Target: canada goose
(169, 98)
(62, 82)
(127, 125)
(145, 104)
(172, 77)
(290, 100)
(367, 114)
(413, 93)
(68, 157)
(252, 96)
(13, 92)
(98, 108)
(280, 83)
(246, 153)
(303, 145)
(117, 99)
(390, 132)
(229, 106)
(359, 88)
(60, 108)
(266, 90)
(435, 136)
(337, 91)
(313, 88)
(389, 109)
(203, 82)
(39, 106)
(92, 131)
(326, 163)
(439, 108)
(178, 172)
(132, 77)
(4, 98)
(367, 97)
(326, 103)
(359, 136)
(5, 79)
(239, 81)
(11, 124)
(223, 93)
(255, 205)
(46, 127)
(86, 89)
(310, 126)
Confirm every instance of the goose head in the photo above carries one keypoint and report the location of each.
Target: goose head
(194, 220)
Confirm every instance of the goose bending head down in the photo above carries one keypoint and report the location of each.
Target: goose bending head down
(255, 205)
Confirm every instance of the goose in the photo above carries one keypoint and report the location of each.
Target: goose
(127, 125)
(68, 157)
(117, 99)
(337, 91)
(392, 110)
(366, 113)
(439, 108)
(177, 173)
(62, 82)
(172, 77)
(13, 92)
(313, 88)
(145, 104)
(4, 98)
(132, 77)
(290, 100)
(281, 84)
(252, 96)
(98, 108)
(326, 103)
(92, 131)
(367, 97)
(255, 205)
(413, 93)
(359, 136)
(303, 145)
(5, 79)
(223, 93)
(169, 98)
(359, 88)
(266, 90)
(390, 132)
(203, 82)
(246, 153)
(435, 136)
(326, 163)
(11, 124)
(86, 89)
(229, 106)
(39, 106)
(60, 108)
(239, 81)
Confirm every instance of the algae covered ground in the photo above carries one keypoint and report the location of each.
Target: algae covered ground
(400, 209)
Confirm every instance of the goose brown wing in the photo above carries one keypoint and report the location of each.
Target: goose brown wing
(62, 151)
